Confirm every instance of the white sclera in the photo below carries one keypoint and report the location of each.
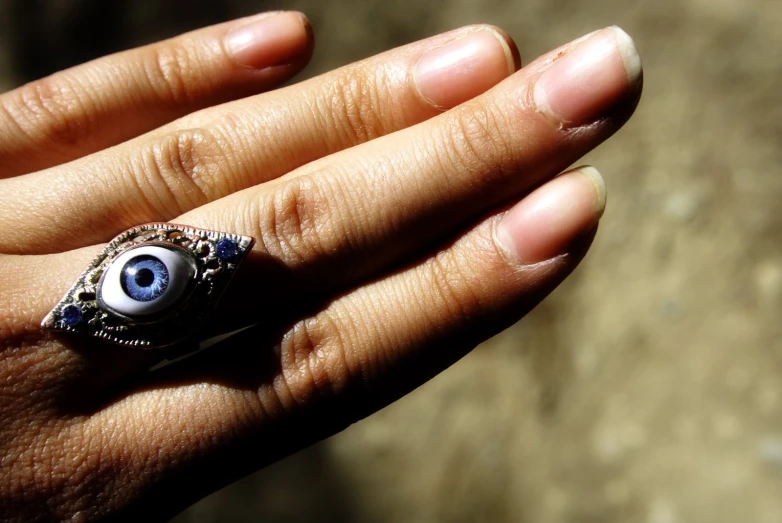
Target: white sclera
(180, 273)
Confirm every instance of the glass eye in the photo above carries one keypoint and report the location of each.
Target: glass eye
(146, 280)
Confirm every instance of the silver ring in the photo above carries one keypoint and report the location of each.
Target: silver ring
(153, 286)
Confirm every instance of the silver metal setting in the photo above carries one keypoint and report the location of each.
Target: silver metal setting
(82, 311)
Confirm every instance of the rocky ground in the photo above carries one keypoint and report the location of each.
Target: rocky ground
(649, 387)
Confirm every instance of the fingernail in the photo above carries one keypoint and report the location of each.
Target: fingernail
(545, 223)
(460, 70)
(268, 41)
(589, 79)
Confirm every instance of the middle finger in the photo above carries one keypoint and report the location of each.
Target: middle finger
(219, 151)
(351, 215)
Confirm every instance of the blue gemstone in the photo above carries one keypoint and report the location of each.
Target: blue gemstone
(227, 249)
(71, 315)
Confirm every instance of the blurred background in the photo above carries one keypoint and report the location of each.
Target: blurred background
(649, 387)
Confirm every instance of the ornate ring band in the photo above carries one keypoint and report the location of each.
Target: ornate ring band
(152, 286)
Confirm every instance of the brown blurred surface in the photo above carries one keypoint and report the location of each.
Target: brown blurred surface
(649, 387)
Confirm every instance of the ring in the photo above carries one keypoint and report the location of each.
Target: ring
(152, 286)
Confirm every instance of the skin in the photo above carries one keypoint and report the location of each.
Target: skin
(382, 257)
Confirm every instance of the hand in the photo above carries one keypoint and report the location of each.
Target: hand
(405, 208)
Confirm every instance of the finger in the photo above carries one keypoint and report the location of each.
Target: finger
(93, 106)
(309, 243)
(31, 286)
(221, 150)
(354, 214)
(365, 350)
(44, 370)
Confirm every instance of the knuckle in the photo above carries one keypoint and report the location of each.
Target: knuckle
(173, 72)
(475, 138)
(314, 362)
(50, 107)
(451, 284)
(178, 169)
(289, 221)
(357, 102)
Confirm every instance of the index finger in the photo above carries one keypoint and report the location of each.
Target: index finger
(92, 106)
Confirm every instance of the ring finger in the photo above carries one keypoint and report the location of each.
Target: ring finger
(256, 398)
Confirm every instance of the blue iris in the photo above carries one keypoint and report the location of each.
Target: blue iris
(144, 278)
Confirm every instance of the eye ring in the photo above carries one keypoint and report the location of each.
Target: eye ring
(170, 303)
(146, 281)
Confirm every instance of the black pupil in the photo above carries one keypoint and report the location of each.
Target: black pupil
(144, 277)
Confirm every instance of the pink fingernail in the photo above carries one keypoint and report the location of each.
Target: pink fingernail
(589, 79)
(460, 70)
(545, 223)
(270, 40)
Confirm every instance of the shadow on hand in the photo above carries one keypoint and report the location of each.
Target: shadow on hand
(51, 36)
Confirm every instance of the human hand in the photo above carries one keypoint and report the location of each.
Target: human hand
(381, 257)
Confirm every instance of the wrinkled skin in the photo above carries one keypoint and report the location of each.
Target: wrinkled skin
(403, 211)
